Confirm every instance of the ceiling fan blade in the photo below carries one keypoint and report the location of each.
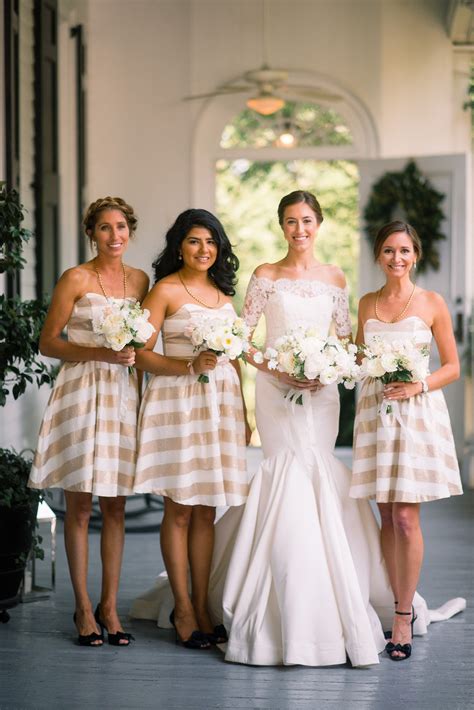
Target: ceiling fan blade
(309, 92)
(219, 92)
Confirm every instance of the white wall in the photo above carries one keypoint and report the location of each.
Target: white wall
(146, 55)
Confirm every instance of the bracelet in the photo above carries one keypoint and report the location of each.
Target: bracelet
(190, 367)
(424, 387)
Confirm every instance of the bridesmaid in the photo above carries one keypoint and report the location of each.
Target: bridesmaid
(87, 440)
(410, 457)
(192, 435)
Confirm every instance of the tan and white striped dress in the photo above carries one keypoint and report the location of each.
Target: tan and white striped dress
(87, 439)
(191, 441)
(408, 455)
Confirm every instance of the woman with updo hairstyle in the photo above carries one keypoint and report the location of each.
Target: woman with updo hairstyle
(87, 440)
(192, 434)
(404, 450)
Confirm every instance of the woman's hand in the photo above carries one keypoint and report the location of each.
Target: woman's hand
(402, 390)
(125, 357)
(294, 383)
(204, 362)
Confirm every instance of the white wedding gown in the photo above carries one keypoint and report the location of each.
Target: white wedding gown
(298, 575)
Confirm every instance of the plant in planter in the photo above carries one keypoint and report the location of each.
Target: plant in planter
(20, 364)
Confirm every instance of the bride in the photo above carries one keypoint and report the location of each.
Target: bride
(297, 575)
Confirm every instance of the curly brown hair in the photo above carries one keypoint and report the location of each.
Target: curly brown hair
(108, 203)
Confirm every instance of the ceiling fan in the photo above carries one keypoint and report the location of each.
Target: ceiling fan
(270, 87)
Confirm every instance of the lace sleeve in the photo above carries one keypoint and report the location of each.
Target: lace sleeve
(341, 315)
(255, 300)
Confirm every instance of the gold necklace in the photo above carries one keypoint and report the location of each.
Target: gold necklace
(102, 285)
(206, 305)
(402, 313)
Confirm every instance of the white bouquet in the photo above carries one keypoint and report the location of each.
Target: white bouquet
(396, 361)
(122, 323)
(305, 355)
(223, 335)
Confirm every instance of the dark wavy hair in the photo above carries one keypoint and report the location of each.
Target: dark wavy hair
(226, 264)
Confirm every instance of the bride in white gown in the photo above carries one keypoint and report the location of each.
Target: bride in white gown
(298, 575)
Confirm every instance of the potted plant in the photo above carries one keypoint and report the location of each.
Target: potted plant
(20, 365)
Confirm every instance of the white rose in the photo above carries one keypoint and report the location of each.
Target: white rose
(119, 341)
(374, 367)
(258, 357)
(389, 362)
(286, 360)
(313, 365)
(144, 331)
(328, 376)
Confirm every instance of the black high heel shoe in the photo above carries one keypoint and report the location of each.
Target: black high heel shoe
(219, 635)
(197, 640)
(404, 648)
(89, 639)
(114, 639)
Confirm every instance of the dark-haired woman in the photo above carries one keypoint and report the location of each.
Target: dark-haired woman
(407, 456)
(191, 434)
(87, 441)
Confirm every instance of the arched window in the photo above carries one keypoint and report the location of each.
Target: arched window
(299, 123)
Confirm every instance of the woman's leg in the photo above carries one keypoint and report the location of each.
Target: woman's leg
(387, 540)
(408, 560)
(76, 539)
(174, 548)
(201, 545)
(111, 549)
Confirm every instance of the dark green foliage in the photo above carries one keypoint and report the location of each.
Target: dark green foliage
(12, 234)
(20, 327)
(20, 321)
(20, 362)
(408, 195)
(14, 493)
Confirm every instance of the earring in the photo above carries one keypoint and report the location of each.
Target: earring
(180, 257)
(414, 265)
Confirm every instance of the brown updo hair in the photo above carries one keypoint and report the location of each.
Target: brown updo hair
(295, 198)
(397, 226)
(108, 203)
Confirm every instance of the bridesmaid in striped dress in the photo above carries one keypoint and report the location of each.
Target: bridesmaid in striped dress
(87, 440)
(407, 456)
(192, 435)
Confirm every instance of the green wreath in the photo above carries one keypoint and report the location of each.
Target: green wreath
(420, 203)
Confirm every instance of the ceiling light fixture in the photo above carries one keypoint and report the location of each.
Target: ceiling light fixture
(265, 103)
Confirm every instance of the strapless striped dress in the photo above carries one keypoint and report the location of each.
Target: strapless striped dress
(191, 441)
(87, 439)
(408, 455)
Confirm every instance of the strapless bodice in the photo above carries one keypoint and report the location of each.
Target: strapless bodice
(175, 342)
(86, 309)
(412, 328)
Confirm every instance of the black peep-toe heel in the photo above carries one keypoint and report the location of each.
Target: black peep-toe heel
(197, 640)
(89, 639)
(114, 639)
(404, 648)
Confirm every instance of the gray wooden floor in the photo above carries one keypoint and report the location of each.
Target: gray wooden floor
(41, 667)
